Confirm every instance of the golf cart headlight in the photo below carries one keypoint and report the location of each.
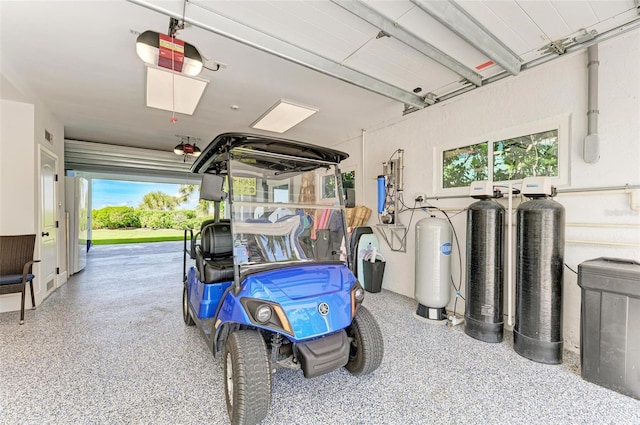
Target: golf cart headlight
(359, 294)
(267, 313)
(263, 313)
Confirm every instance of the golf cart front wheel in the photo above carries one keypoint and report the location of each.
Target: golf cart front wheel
(247, 377)
(367, 346)
(186, 316)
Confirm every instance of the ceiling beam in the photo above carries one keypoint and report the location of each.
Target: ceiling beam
(456, 19)
(251, 37)
(400, 33)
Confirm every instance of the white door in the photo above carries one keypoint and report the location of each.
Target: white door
(48, 222)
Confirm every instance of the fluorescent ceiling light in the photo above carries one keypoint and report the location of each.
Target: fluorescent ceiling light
(282, 116)
(173, 91)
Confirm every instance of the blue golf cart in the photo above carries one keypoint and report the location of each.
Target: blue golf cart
(271, 286)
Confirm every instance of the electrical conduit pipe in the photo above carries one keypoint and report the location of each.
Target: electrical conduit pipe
(591, 146)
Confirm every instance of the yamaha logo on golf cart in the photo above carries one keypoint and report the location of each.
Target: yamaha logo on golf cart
(323, 309)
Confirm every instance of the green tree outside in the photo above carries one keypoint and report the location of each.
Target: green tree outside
(513, 159)
(157, 210)
(204, 208)
(526, 156)
(158, 201)
(115, 218)
(464, 165)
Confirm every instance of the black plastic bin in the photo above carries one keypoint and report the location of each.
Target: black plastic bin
(373, 274)
(610, 324)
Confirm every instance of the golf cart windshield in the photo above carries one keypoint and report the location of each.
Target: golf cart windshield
(284, 210)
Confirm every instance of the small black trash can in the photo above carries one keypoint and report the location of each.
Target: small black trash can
(373, 273)
(610, 324)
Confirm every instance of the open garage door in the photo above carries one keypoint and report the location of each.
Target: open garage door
(111, 160)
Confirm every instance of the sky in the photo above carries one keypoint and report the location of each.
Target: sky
(125, 193)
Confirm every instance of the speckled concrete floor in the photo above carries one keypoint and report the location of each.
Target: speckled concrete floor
(110, 347)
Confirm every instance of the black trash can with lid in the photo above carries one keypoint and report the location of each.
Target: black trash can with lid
(373, 274)
(610, 324)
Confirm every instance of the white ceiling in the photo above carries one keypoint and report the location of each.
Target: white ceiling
(79, 57)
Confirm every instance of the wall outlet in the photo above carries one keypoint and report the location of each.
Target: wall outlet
(420, 198)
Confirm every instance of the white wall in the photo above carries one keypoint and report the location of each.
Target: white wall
(556, 89)
(17, 173)
(22, 132)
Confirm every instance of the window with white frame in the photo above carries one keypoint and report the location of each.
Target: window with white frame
(535, 150)
(526, 156)
(329, 183)
(461, 166)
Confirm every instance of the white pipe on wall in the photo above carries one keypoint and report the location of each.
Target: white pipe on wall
(591, 146)
(510, 257)
(633, 196)
(606, 243)
(363, 201)
(448, 209)
(599, 189)
(605, 225)
(633, 200)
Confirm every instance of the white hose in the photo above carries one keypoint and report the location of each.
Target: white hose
(510, 257)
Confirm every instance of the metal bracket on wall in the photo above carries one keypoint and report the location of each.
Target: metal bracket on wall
(585, 36)
(430, 98)
(559, 47)
(395, 235)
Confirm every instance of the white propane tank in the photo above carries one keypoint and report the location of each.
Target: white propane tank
(433, 267)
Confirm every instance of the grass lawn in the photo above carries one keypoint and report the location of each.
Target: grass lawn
(107, 236)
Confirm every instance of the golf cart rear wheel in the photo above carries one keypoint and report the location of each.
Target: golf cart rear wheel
(247, 377)
(186, 316)
(367, 346)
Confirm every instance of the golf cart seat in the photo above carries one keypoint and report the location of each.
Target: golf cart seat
(214, 254)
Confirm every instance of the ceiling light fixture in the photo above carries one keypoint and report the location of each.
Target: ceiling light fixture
(187, 149)
(282, 116)
(172, 65)
(170, 91)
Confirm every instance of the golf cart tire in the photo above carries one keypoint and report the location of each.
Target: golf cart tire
(249, 397)
(367, 347)
(186, 316)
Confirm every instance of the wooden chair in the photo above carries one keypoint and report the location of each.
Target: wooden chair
(16, 259)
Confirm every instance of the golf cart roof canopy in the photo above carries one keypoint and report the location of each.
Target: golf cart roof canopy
(265, 152)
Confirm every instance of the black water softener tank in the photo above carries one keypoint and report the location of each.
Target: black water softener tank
(484, 289)
(539, 265)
